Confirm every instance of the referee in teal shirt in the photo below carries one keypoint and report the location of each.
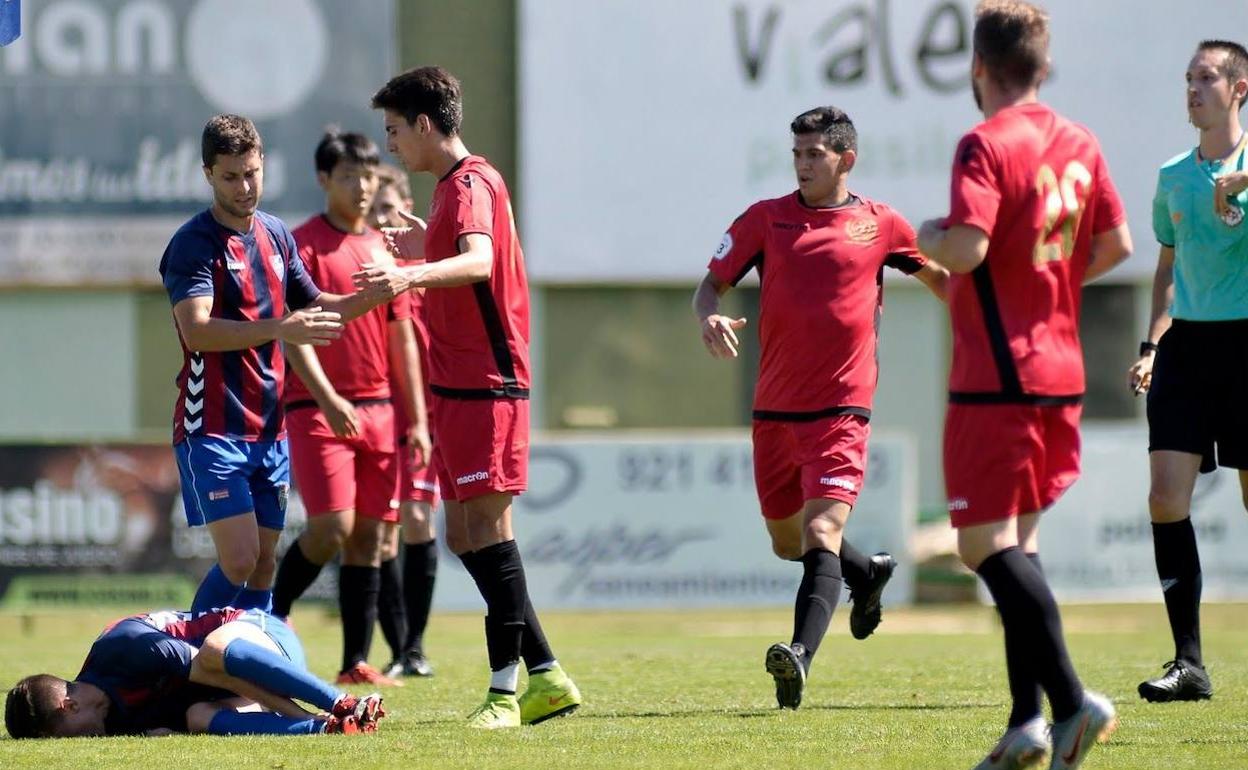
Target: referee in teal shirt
(1194, 363)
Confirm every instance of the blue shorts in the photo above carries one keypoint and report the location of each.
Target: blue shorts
(224, 477)
(279, 632)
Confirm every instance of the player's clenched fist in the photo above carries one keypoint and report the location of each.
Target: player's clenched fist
(720, 336)
(310, 326)
(1140, 375)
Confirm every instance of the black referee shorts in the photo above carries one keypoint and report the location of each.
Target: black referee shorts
(1198, 400)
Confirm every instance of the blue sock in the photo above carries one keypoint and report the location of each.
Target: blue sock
(275, 673)
(229, 722)
(215, 592)
(254, 599)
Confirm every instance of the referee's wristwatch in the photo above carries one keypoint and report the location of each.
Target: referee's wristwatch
(1147, 347)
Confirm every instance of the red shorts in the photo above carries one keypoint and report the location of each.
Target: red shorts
(483, 446)
(1003, 460)
(418, 485)
(337, 474)
(799, 461)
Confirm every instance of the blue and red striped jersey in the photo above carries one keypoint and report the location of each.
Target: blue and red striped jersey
(143, 664)
(250, 276)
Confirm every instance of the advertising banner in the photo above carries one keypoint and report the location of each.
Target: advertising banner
(102, 104)
(639, 522)
(648, 126)
(1097, 541)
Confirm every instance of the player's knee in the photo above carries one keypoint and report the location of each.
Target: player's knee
(786, 549)
(239, 563)
(266, 567)
(458, 543)
(1164, 505)
(199, 717)
(823, 530)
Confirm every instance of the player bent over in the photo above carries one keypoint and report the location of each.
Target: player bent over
(1033, 216)
(1197, 384)
(238, 289)
(342, 423)
(478, 315)
(821, 252)
(169, 671)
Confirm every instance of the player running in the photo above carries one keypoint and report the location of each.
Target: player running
(237, 289)
(1197, 337)
(1033, 216)
(477, 309)
(820, 253)
(406, 597)
(342, 424)
(170, 671)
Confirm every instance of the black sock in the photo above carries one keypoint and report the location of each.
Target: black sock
(816, 599)
(294, 575)
(1178, 566)
(1024, 688)
(855, 565)
(357, 599)
(533, 645)
(499, 574)
(420, 570)
(1030, 614)
(390, 613)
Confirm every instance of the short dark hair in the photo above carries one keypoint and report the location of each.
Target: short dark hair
(229, 135)
(429, 91)
(837, 129)
(337, 146)
(32, 709)
(393, 176)
(1235, 66)
(1012, 39)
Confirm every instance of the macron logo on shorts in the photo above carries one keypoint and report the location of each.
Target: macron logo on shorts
(837, 481)
(958, 504)
(471, 477)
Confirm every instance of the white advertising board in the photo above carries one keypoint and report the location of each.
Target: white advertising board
(647, 126)
(1096, 543)
(664, 522)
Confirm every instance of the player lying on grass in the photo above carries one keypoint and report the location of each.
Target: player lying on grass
(170, 671)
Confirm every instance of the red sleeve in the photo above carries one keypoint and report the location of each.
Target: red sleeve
(975, 196)
(1107, 209)
(903, 247)
(400, 308)
(474, 206)
(741, 249)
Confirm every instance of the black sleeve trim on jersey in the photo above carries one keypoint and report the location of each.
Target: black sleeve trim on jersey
(454, 168)
(480, 394)
(1167, 245)
(832, 411)
(903, 263)
(1007, 369)
(498, 342)
(755, 261)
(1023, 399)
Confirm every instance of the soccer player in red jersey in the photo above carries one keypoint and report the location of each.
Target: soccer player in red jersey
(237, 288)
(1034, 215)
(477, 309)
(820, 253)
(406, 596)
(342, 433)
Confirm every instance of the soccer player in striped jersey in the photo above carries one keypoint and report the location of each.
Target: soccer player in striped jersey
(238, 289)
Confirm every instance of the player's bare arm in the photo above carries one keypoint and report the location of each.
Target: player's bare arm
(1109, 249)
(474, 263)
(202, 332)
(405, 366)
(1140, 375)
(718, 331)
(935, 277)
(338, 411)
(959, 249)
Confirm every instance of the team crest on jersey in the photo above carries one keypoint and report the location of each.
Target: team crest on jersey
(467, 180)
(862, 230)
(278, 263)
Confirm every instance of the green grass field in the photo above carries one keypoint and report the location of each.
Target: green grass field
(688, 690)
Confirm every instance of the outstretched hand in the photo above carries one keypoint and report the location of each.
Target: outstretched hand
(720, 336)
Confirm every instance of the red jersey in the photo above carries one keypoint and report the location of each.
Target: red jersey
(1038, 185)
(822, 273)
(358, 362)
(420, 331)
(479, 333)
